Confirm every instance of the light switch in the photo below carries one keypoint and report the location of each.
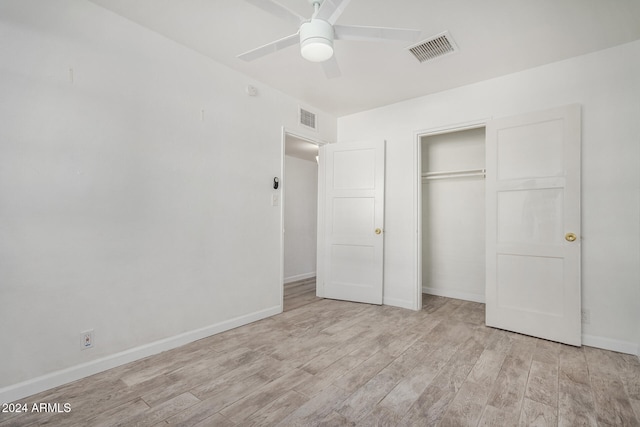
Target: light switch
(275, 199)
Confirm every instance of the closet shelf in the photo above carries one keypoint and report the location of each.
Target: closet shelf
(454, 174)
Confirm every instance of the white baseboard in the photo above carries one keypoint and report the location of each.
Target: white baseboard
(299, 277)
(611, 344)
(467, 296)
(398, 303)
(588, 340)
(58, 378)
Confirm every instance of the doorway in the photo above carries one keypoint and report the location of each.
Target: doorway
(300, 212)
(451, 213)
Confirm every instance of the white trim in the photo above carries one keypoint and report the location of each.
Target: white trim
(283, 144)
(64, 376)
(401, 303)
(467, 296)
(320, 222)
(455, 127)
(626, 347)
(310, 139)
(417, 210)
(297, 277)
(588, 340)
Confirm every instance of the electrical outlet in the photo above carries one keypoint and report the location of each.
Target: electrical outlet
(586, 316)
(86, 339)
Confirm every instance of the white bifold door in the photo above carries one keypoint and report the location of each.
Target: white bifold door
(350, 255)
(533, 224)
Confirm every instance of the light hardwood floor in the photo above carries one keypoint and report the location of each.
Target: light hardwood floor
(334, 363)
(297, 294)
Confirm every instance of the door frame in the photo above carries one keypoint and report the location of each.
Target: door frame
(417, 164)
(315, 141)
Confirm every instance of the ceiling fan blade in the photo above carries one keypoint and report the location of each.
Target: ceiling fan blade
(349, 32)
(331, 10)
(278, 10)
(261, 51)
(331, 68)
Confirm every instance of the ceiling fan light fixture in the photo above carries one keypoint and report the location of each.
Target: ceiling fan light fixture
(316, 40)
(316, 50)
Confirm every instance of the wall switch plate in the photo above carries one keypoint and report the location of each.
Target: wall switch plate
(275, 199)
(586, 316)
(86, 339)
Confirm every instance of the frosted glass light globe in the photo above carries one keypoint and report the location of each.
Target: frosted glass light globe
(316, 40)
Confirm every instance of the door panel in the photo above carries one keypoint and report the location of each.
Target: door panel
(353, 204)
(354, 169)
(353, 217)
(530, 283)
(533, 200)
(530, 216)
(534, 150)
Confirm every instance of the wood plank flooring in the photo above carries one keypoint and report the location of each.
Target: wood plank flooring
(334, 363)
(299, 293)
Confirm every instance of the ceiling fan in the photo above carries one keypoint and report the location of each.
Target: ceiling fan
(316, 35)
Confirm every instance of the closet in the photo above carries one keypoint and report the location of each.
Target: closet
(453, 214)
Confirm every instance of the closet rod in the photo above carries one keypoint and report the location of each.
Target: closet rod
(454, 174)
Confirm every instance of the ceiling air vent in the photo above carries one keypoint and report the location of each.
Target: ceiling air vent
(435, 47)
(307, 118)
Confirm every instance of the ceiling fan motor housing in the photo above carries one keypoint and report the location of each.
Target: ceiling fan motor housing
(316, 40)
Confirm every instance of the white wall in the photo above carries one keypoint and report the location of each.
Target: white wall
(453, 219)
(607, 85)
(300, 218)
(135, 197)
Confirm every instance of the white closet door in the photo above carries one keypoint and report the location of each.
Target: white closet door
(533, 224)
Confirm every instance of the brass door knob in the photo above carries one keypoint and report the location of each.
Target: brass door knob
(378, 231)
(570, 237)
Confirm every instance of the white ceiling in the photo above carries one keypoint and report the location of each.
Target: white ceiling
(495, 37)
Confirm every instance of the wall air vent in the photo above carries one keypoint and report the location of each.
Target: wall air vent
(308, 119)
(434, 47)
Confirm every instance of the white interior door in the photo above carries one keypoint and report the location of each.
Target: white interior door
(350, 255)
(533, 224)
